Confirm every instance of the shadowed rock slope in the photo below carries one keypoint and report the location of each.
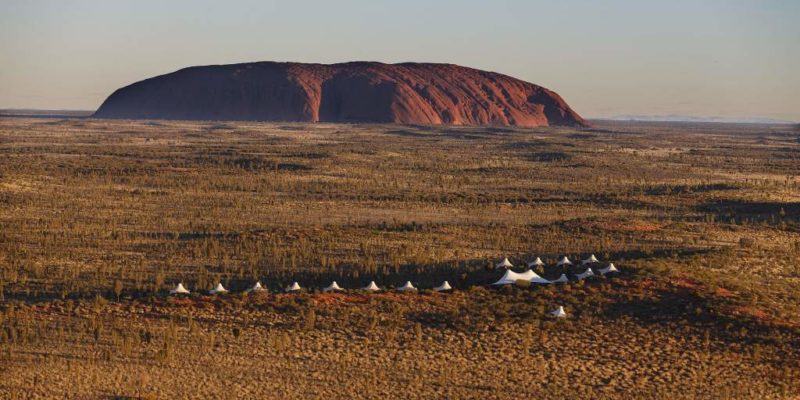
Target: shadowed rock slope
(408, 93)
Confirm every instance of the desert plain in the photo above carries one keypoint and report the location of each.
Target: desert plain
(99, 219)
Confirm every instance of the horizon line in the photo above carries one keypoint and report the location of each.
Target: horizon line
(22, 112)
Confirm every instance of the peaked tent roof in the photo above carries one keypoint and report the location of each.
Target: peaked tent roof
(218, 289)
(293, 287)
(590, 259)
(559, 312)
(332, 287)
(445, 286)
(533, 277)
(372, 287)
(179, 289)
(535, 263)
(527, 275)
(609, 269)
(508, 278)
(561, 279)
(504, 264)
(564, 261)
(585, 274)
(257, 288)
(408, 287)
(511, 277)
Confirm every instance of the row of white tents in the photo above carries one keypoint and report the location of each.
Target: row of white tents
(333, 287)
(539, 263)
(372, 287)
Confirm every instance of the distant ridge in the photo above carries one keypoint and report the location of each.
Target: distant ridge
(407, 93)
(686, 118)
(34, 113)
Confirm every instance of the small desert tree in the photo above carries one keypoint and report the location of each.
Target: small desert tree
(117, 288)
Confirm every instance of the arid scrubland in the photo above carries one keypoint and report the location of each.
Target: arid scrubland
(99, 219)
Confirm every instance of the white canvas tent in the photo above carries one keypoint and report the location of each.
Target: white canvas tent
(256, 288)
(293, 287)
(536, 263)
(564, 261)
(179, 289)
(372, 287)
(333, 287)
(559, 312)
(592, 259)
(445, 286)
(609, 269)
(504, 264)
(511, 277)
(561, 279)
(585, 274)
(219, 289)
(408, 287)
(508, 278)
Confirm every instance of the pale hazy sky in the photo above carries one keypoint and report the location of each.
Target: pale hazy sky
(731, 58)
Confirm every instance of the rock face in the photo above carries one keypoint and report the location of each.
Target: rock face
(408, 93)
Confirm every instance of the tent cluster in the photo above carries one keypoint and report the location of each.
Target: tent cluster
(511, 277)
(333, 287)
